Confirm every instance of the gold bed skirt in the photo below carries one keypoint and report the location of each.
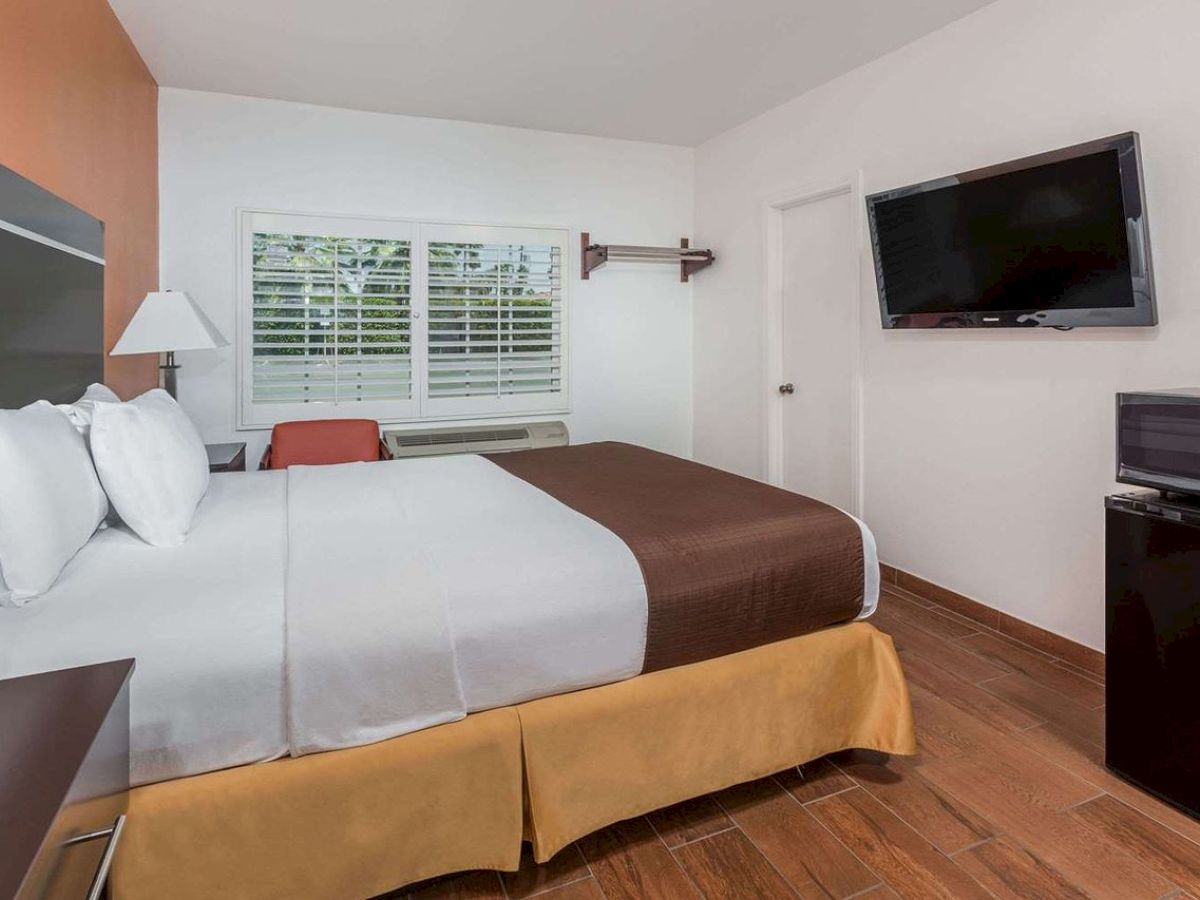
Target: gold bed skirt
(606, 754)
(358, 822)
(341, 825)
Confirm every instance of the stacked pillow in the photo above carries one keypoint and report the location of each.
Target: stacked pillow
(146, 458)
(50, 499)
(83, 410)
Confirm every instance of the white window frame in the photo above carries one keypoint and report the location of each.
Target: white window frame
(419, 408)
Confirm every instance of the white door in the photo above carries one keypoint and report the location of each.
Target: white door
(819, 339)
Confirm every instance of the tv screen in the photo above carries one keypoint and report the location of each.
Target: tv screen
(1056, 240)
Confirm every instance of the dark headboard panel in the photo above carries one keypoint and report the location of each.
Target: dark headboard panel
(51, 295)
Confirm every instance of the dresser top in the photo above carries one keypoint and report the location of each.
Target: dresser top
(50, 721)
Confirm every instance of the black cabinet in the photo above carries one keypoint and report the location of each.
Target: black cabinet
(1152, 639)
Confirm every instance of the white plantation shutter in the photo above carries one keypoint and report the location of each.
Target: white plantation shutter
(495, 319)
(346, 318)
(331, 319)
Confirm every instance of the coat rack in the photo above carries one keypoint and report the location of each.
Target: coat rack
(593, 256)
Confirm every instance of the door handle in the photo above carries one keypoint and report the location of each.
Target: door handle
(788, 388)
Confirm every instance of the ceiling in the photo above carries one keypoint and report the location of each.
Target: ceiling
(673, 71)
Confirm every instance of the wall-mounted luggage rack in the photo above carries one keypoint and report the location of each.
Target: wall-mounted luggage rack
(593, 256)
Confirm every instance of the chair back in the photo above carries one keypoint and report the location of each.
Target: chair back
(323, 442)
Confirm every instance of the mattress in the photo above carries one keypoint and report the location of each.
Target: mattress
(542, 599)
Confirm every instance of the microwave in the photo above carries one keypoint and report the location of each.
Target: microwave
(1158, 440)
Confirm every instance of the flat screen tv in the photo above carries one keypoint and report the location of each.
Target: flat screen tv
(51, 295)
(1056, 240)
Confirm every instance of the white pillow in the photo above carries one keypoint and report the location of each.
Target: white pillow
(152, 463)
(80, 413)
(50, 499)
(82, 410)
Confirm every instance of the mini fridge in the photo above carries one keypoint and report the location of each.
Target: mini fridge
(1152, 641)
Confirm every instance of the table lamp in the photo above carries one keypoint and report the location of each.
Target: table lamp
(165, 322)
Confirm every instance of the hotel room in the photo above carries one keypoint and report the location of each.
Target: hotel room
(666, 450)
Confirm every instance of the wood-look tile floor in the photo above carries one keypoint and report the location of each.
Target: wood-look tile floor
(1007, 797)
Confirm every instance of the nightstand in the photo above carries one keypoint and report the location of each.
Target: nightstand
(64, 779)
(226, 457)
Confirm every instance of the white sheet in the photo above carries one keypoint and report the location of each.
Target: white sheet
(540, 600)
(461, 588)
(204, 621)
(870, 571)
(368, 645)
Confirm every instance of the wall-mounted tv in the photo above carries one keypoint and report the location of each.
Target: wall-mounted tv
(1057, 240)
(51, 295)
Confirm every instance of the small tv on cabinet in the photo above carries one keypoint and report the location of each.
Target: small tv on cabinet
(1055, 240)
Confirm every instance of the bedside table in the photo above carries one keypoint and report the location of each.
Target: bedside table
(226, 457)
(64, 779)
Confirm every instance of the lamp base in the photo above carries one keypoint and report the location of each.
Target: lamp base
(166, 373)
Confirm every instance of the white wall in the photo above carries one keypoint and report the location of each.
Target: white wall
(630, 325)
(987, 454)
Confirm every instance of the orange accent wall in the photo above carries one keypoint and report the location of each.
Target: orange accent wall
(79, 116)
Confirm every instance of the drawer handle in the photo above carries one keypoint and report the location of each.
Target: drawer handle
(113, 836)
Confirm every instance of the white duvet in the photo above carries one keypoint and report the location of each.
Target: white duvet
(203, 620)
(421, 590)
(416, 591)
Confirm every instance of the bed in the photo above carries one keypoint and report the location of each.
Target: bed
(462, 652)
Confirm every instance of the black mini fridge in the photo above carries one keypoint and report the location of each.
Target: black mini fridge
(1152, 641)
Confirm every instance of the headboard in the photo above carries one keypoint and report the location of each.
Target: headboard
(51, 295)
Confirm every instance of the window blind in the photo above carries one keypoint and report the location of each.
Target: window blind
(495, 319)
(331, 319)
(399, 321)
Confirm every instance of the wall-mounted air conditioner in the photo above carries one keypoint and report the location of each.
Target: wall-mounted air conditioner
(476, 439)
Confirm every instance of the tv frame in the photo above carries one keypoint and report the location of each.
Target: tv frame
(1144, 312)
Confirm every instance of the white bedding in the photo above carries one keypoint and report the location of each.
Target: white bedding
(871, 574)
(542, 599)
(204, 621)
(538, 600)
(462, 584)
(368, 645)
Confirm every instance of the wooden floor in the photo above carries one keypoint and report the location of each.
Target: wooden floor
(1007, 797)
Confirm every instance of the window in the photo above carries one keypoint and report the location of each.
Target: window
(399, 321)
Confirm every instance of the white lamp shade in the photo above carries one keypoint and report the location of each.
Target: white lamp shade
(168, 320)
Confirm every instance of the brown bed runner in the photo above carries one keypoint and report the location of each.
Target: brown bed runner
(729, 563)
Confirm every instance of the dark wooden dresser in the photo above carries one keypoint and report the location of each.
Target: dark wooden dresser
(64, 779)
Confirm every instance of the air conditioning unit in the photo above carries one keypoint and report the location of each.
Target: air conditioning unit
(476, 439)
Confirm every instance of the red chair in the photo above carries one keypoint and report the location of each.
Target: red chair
(324, 442)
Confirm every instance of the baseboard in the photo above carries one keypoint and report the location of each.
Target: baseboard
(1039, 638)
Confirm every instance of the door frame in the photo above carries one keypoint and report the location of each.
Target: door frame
(773, 209)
